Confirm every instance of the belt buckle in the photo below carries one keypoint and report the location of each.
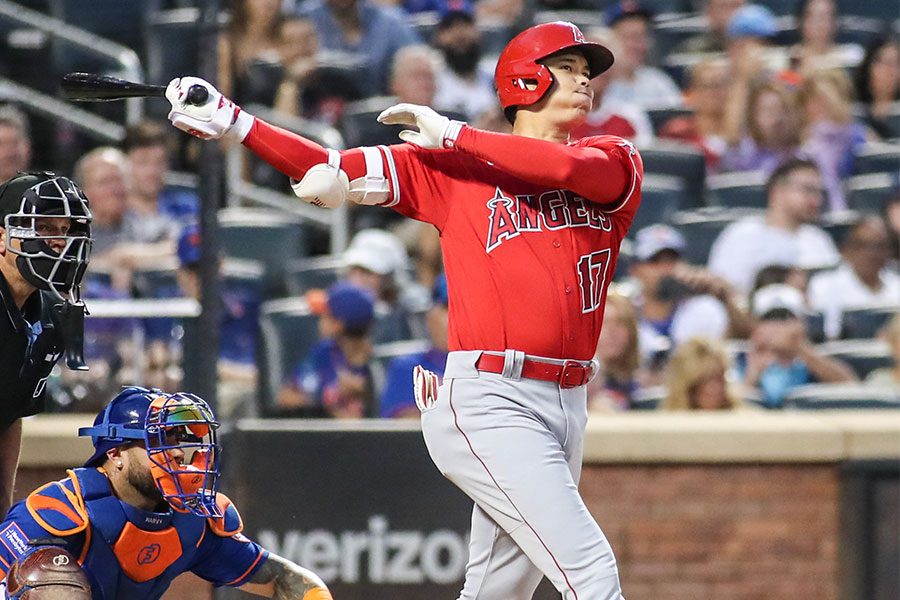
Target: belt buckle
(570, 368)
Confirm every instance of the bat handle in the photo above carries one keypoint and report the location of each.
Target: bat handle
(197, 95)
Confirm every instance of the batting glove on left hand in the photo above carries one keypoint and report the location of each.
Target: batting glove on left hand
(212, 119)
(435, 131)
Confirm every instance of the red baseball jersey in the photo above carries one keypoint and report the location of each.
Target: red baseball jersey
(530, 229)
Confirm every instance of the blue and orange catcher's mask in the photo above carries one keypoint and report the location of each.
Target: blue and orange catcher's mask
(179, 433)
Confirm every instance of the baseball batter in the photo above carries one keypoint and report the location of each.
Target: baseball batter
(530, 225)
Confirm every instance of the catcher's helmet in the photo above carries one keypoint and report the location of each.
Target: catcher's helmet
(179, 432)
(28, 196)
(518, 67)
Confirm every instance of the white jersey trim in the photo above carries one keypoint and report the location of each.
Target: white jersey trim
(631, 152)
(392, 176)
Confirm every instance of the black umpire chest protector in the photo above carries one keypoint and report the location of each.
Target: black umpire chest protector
(30, 344)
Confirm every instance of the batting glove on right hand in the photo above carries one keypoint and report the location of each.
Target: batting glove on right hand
(425, 387)
(212, 119)
(435, 131)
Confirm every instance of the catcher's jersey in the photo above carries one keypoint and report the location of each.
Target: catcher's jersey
(529, 264)
(128, 553)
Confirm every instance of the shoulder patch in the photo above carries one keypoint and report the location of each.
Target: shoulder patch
(230, 522)
(58, 508)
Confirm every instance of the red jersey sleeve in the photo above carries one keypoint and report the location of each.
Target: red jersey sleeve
(413, 173)
(606, 169)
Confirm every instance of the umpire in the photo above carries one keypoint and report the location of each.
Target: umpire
(45, 244)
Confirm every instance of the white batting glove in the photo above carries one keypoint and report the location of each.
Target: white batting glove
(212, 119)
(435, 131)
(425, 387)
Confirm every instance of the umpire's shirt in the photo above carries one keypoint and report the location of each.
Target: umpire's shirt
(30, 344)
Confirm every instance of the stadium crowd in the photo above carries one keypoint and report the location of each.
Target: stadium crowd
(764, 262)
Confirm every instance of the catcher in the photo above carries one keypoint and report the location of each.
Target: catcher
(142, 510)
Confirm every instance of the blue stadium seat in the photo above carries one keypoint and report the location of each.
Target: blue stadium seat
(859, 323)
(819, 396)
(317, 272)
(661, 197)
(288, 330)
(659, 116)
(863, 356)
(738, 190)
(701, 227)
(877, 157)
(681, 161)
(171, 46)
(885, 11)
(360, 127)
(870, 193)
(267, 236)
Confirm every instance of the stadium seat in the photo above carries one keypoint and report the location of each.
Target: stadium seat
(150, 283)
(661, 197)
(815, 327)
(781, 7)
(390, 326)
(737, 190)
(863, 356)
(246, 275)
(859, 323)
(659, 117)
(171, 47)
(884, 11)
(360, 127)
(649, 398)
(288, 330)
(317, 272)
(818, 396)
(120, 21)
(870, 193)
(668, 34)
(701, 227)
(383, 354)
(678, 160)
(877, 157)
(267, 236)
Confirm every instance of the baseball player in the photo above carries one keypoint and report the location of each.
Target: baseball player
(530, 225)
(142, 510)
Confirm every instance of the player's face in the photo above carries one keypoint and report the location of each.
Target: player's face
(137, 473)
(570, 97)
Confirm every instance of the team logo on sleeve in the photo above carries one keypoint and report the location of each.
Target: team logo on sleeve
(551, 211)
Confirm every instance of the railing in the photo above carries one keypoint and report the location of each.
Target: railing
(86, 41)
(97, 127)
(240, 191)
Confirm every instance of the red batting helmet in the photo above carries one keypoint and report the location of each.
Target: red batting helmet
(518, 66)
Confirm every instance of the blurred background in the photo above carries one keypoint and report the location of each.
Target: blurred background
(759, 284)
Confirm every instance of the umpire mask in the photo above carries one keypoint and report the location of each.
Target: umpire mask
(56, 266)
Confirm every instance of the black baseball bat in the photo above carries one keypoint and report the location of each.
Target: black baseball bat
(91, 87)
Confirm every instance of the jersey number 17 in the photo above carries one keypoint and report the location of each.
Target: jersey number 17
(592, 278)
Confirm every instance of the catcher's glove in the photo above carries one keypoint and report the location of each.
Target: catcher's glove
(47, 573)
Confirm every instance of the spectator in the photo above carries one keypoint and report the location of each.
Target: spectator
(310, 87)
(780, 356)
(608, 116)
(377, 261)
(830, 135)
(889, 376)
(750, 47)
(414, 73)
(15, 142)
(786, 235)
(397, 400)
(696, 378)
(634, 82)
(861, 280)
(677, 301)
(147, 147)
(817, 48)
(707, 97)
(334, 379)
(877, 84)
(713, 38)
(891, 215)
(618, 358)
(236, 365)
(786, 274)
(466, 86)
(768, 133)
(368, 32)
(248, 51)
(124, 240)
